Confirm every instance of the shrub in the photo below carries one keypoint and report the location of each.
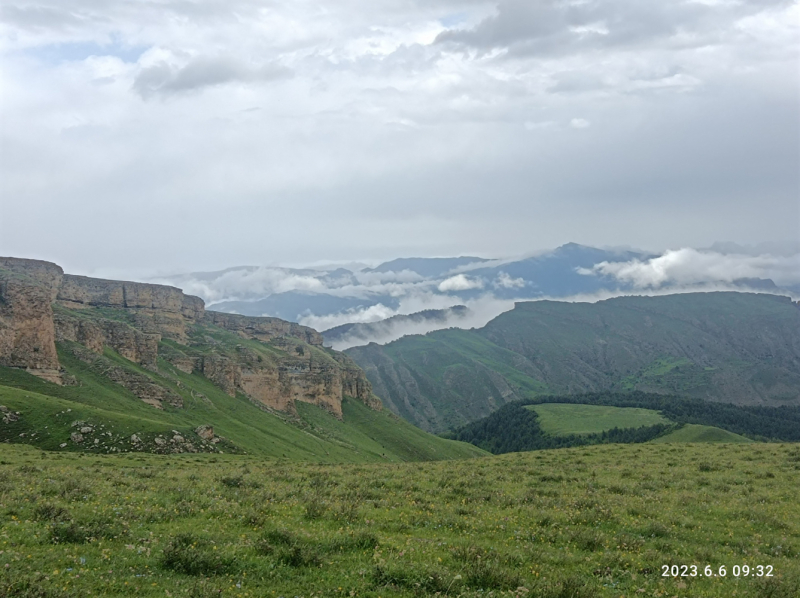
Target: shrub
(491, 576)
(348, 508)
(232, 481)
(315, 508)
(359, 541)
(280, 537)
(299, 555)
(588, 541)
(18, 585)
(421, 582)
(186, 553)
(73, 489)
(656, 530)
(49, 512)
(75, 532)
(571, 587)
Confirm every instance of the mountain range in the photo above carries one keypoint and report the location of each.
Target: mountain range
(325, 297)
(741, 348)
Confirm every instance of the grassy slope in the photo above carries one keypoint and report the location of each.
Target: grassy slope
(698, 433)
(48, 410)
(456, 370)
(381, 434)
(559, 418)
(595, 522)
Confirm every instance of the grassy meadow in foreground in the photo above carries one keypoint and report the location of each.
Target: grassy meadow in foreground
(586, 522)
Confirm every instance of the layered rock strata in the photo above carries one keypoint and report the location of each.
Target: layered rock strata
(27, 330)
(155, 308)
(134, 345)
(287, 364)
(263, 329)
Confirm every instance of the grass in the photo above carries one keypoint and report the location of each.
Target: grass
(561, 418)
(590, 522)
(698, 433)
(49, 412)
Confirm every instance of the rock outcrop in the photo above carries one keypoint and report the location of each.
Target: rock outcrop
(27, 330)
(318, 378)
(135, 345)
(139, 385)
(263, 329)
(154, 308)
(40, 305)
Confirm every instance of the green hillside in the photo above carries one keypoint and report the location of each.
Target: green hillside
(741, 348)
(698, 433)
(50, 413)
(560, 418)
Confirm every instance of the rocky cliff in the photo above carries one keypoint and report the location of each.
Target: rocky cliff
(156, 308)
(27, 330)
(272, 362)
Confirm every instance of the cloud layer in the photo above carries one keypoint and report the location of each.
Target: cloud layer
(690, 267)
(327, 296)
(181, 136)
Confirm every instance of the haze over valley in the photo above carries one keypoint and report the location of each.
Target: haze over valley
(331, 296)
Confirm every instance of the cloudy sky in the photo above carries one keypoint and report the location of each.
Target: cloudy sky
(168, 135)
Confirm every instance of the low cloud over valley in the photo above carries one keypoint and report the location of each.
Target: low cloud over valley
(330, 296)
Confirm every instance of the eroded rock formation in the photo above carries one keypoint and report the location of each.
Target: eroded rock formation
(263, 329)
(135, 345)
(276, 364)
(156, 309)
(27, 330)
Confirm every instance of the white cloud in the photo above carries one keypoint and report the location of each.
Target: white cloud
(533, 126)
(164, 78)
(460, 282)
(689, 266)
(579, 123)
(479, 311)
(246, 283)
(505, 281)
(373, 313)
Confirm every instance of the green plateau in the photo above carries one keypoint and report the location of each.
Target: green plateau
(561, 418)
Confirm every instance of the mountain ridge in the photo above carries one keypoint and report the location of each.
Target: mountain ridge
(740, 347)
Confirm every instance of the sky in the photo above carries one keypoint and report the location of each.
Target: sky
(177, 135)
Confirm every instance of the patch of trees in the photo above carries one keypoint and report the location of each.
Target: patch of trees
(756, 422)
(514, 428)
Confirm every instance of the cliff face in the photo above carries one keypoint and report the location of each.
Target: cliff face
(277, 369)
(158, 309)
(275, 364)
(27, 331)
(133, 344)
(263, 329)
